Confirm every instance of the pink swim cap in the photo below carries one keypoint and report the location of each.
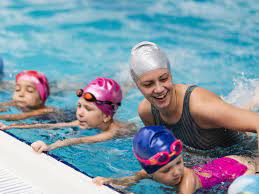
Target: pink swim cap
(38, 79)
(105, 89)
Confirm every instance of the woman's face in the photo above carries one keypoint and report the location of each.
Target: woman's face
(88, 114)
(26, 95)
(170, 174)
(156, 86)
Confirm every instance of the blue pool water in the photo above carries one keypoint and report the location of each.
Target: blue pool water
(213, 44)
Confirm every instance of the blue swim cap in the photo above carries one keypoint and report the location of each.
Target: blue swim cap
(1, 68)
(151, 140)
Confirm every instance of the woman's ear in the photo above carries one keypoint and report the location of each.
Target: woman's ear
(106, 118)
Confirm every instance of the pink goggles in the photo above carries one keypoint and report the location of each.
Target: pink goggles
(164, 157)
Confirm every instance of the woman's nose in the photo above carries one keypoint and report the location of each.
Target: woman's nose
(159, 88)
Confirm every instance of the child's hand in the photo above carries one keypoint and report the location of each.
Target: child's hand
(2, 109)
(4, 127)
(40, 146)
(101, 180)
(122, 182)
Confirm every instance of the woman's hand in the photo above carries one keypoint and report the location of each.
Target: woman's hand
(40, 146)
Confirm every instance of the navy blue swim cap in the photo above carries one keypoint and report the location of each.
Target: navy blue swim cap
(151, 140)
(1, 68)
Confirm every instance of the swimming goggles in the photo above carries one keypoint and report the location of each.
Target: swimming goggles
(164, 157)
(91, 98)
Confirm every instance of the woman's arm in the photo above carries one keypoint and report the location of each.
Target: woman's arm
(144, 111)
(25, 115)
(123, 181)
(40, 146)
(209, 111)
(38, 125)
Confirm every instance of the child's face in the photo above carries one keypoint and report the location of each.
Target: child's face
(88, 114)
(26, 95)
(170, 174)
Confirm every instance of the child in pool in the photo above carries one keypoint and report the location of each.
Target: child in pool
(97, 104)
(31, 92)
(159, 153)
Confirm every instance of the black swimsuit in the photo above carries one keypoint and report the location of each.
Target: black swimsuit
(192, 135)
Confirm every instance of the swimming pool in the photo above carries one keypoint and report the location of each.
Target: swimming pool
(213, 44)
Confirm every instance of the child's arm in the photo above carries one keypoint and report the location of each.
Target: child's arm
(25, 115)
(10, 103)
(40, 146)
(190, 182)
(4, 105)
(38, 125)
(123, 181)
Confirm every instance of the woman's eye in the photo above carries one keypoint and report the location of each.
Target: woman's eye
(148, 84)
(164, 79)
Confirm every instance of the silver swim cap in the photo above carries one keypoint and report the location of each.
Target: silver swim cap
(147, 56)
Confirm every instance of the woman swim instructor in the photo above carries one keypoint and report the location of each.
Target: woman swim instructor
(198, 117)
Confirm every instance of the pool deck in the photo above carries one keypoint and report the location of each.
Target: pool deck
(24, 171)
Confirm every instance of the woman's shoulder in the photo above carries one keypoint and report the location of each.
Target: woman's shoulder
(196, 94)
(204, 94)
(144, 107)
(145, 112)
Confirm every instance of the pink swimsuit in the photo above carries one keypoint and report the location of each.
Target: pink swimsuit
(219, 170)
